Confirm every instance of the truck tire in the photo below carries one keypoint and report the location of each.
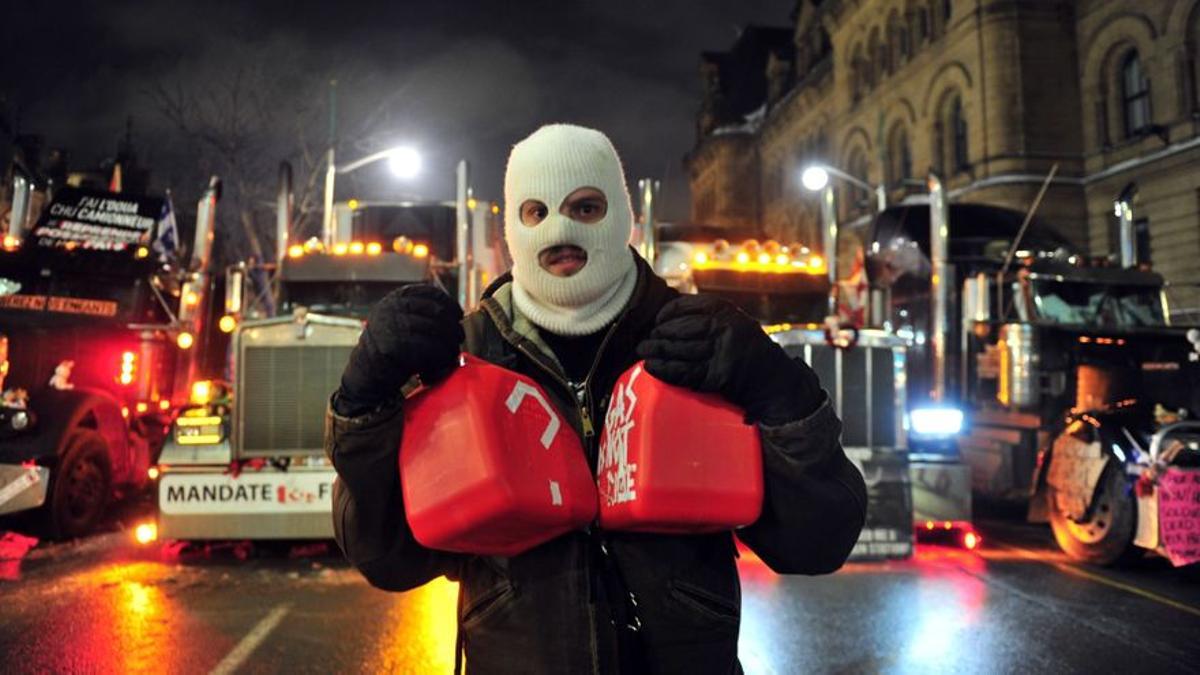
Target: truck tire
(1105, 536)
(80, 488)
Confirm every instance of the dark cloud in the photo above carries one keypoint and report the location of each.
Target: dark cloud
(457, 79)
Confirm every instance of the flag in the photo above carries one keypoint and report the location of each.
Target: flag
(166, 241)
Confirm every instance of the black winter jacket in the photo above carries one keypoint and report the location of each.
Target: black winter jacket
(548, 610)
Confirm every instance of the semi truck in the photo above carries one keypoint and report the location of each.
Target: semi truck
(99, 320)
(1071, 372)
(787, 287)
(245, 458)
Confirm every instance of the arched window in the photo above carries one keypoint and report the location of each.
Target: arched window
(899, 156)
(958, 127)
(858, 74)
(950, 137)
(1135, 95)
(878, 53)
(899, 38)
(854, 201)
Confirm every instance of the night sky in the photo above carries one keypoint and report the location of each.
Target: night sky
(455, 79)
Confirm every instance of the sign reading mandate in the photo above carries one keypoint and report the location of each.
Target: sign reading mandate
(250, 492)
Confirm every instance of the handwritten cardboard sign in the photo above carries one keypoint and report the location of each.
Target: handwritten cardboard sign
(1179, 515)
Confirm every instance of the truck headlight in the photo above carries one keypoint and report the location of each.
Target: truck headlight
(208, 430)
(939, 421)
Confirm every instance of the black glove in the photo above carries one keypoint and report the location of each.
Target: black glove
(415, 330)
(707, 344)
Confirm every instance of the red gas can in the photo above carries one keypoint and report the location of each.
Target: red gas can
(673, 460)
(489, 467)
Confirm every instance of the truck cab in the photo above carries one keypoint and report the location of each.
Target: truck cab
(92, 316)
(245, 459)
(1068, 368)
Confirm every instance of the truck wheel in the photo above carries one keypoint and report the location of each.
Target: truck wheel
(80, 487)
(1105, 536)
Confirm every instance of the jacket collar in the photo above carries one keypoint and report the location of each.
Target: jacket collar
(649, 295)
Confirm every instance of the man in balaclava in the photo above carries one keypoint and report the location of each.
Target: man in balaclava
(578, 309)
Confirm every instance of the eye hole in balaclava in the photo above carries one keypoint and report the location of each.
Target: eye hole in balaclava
(586, 205)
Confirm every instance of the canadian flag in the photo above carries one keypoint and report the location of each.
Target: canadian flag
(852, 294)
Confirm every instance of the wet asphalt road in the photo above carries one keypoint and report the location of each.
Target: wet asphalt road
(105, 605)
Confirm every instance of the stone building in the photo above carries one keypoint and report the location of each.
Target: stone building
(988, 93)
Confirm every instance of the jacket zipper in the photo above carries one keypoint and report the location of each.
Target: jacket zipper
(583, 404)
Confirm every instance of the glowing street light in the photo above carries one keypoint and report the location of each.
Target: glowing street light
(815, 178)
(404, 161)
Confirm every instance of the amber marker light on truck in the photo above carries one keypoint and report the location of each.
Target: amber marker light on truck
(227, 323)
(146, 533)
(185, 340)
(420, 251)
(295, 251)
(201, 392)
(374, 248)
(356, 248)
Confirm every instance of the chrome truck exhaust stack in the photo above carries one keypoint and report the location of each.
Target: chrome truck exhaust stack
(22, 194)
(829, 243)
(939, 288)
(647, 234)
(284, 202)
(1123, 209)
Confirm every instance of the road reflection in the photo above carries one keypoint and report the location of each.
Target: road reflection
(914, 615)
(117, 618)
(419, 631)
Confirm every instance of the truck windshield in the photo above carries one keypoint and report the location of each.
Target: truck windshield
(353, 299)
(77, 286)
(1090, 304)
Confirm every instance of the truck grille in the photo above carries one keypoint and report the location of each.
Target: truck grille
(284, 390)
(862, 383)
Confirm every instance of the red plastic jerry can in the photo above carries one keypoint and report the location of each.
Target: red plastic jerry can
(676, 461)
(489, 467)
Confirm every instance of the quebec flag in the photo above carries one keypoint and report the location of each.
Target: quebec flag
(166, 241)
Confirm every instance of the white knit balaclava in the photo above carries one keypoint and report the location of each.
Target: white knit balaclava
(549, 165)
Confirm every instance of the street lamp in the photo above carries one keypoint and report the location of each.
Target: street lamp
(405, 162)
(816, 179)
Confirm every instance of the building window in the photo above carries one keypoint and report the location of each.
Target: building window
(947, 7)
(1135, 95)
(958, 127)
(922, 25)
(1141, 240)
(900, 158)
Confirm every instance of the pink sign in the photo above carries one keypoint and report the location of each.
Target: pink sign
(1179, 515)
